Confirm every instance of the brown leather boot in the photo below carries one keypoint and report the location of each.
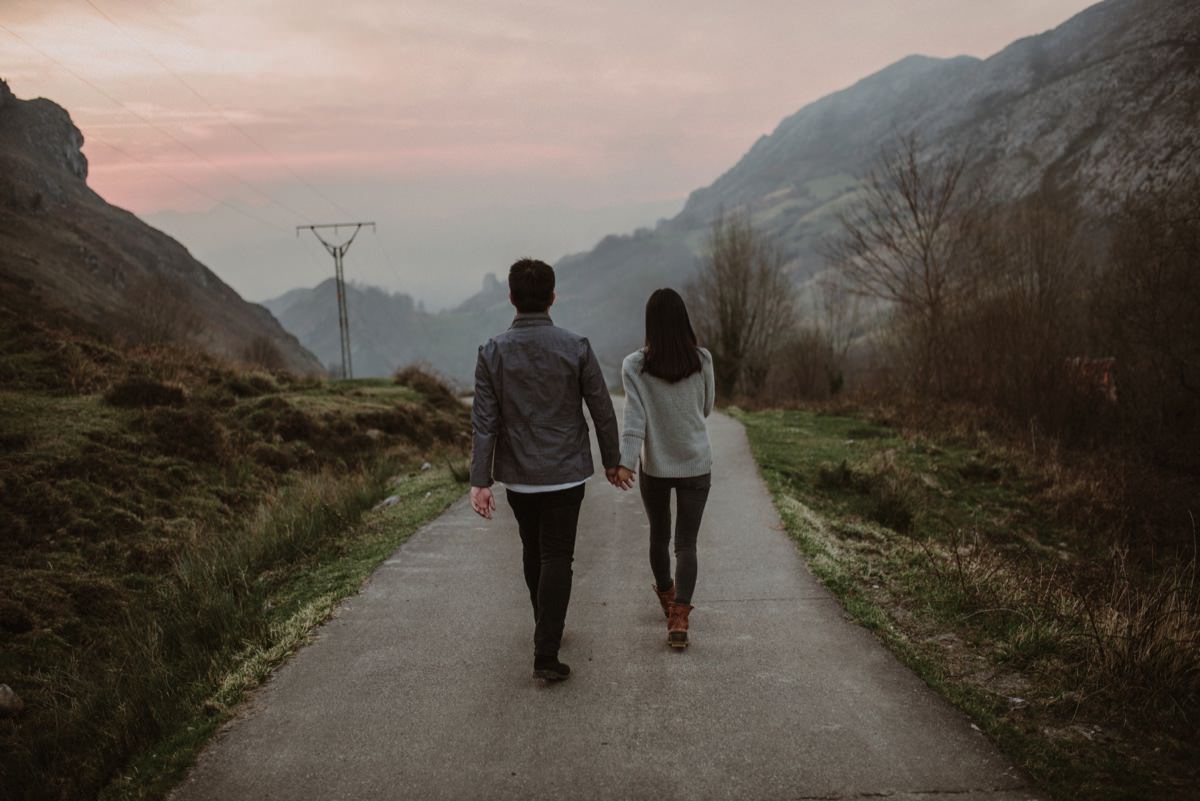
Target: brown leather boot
(677, 625)
(666, 598)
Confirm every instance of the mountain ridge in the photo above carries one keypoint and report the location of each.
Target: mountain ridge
(102, 263)
(1098, 105)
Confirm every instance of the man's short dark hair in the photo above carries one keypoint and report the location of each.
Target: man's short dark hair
(531, 284)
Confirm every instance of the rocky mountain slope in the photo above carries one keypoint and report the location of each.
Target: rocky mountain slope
(1107, 100)
(105, 265)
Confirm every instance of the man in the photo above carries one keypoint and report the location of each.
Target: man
(531, 435)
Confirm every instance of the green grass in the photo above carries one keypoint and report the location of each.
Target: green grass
(57, 426)
(335, 398)
(161, 558)
(296, 601)
(945, 551)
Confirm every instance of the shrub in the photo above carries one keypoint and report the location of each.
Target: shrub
(837, 476)
(159, 311)
(14, 618)
(1145, 308)
(891, 503)
(293, 424)
(193, 434)
(412, 423)
(262, 352)
(139, 391)
(277, 458)
(460, 470)
(889, 486)
(428, 383)
(1146, 635)
(250, 385)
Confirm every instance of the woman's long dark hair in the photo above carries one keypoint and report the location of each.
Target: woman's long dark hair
(670, 341)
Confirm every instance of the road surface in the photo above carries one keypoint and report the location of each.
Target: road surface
(420, 687)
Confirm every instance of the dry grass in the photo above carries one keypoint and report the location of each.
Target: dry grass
(1025, 587)
(153, 499)
(1145, 635)
(428, 382)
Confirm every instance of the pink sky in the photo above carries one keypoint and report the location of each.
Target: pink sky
(471, 131)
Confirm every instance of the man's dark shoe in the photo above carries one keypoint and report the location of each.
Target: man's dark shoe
(550, 669)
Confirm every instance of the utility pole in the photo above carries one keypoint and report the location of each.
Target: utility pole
(339, 253)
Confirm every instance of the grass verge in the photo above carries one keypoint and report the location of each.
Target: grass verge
(289, 607)
(168, 520)
(1080, 661)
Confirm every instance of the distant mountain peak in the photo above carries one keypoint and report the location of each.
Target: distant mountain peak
(1094, 105)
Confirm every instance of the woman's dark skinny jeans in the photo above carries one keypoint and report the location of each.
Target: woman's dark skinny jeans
(691, 494)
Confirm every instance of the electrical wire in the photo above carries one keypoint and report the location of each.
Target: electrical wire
(149, 122)
(384, 255)
(232, 124)
(92, 137)
(187, 184)
(176, 179)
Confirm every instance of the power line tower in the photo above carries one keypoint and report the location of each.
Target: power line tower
(339, 253)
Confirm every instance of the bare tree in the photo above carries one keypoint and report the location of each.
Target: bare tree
(262, 352)
(743, 303)
(1023, 315)
(801, 368)
(903, 242)
(159, 312)
(840, 312)
(1145, 313)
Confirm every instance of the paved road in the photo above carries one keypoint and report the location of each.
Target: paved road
(420, 687)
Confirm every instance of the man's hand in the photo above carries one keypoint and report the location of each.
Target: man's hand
(620, 477)
(483, 502)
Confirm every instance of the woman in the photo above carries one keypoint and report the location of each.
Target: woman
(669, 391)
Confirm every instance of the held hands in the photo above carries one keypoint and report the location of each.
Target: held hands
(483, 502)
(620, 477)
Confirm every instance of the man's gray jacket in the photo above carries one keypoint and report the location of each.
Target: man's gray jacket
(527, 417)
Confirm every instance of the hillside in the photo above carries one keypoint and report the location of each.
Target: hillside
(387, 330)
(172, 529)
(1097, 105)
(105, 265)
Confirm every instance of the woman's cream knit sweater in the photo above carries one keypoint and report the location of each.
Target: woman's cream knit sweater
(664, 422)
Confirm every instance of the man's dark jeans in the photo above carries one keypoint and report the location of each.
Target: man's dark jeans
(691, 494)
(548, 521)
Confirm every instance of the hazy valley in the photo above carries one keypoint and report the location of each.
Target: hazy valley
(1092, 107)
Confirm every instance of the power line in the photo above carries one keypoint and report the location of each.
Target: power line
(384, 255)
(186, 85)
(149, 122)
(249, 214)
(134, 159)
(338, 252)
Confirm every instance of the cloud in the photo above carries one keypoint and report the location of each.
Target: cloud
(458, 110)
